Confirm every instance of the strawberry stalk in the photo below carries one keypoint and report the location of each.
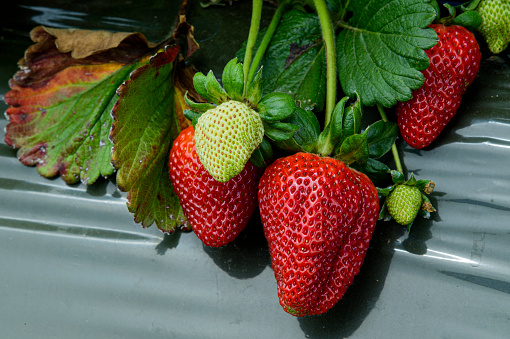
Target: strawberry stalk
(256, 14)
(405, 199)
(394, 150)
(328, 34)
(267, 39)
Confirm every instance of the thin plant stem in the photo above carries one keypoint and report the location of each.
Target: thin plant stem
(267, 39)
(256, 14)
(394, 150)
(328, 34)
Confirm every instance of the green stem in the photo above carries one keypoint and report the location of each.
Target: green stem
(394, 150)
(256, 14)
(267, 39)
(328, 34)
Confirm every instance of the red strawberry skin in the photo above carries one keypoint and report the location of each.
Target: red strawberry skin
(454, 64)
(318, 217)
(217, 211)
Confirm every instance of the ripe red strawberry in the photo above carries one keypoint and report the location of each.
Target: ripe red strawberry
(454, 64)
(217, 211)
(318, 217)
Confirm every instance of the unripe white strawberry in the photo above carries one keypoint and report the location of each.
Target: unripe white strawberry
(225, 138)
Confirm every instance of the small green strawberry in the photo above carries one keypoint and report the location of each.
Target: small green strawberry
(406, 199)
(403, 203)
(495, 25)
(230, 128)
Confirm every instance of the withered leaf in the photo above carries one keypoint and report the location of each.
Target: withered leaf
(60, 106)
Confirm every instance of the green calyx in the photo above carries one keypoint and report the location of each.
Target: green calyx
(462, 15)
(344, 139)
(230, 126)
(406, 199)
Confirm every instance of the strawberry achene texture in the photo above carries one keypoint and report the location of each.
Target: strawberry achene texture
(454, 64)
(318, 217)
(217, 211)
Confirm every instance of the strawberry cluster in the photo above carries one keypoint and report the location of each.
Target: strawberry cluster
(317, 205)
(318, 214)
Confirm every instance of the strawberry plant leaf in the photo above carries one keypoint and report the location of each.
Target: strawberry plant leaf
(60, 105)
(380, 50)
(146, 122)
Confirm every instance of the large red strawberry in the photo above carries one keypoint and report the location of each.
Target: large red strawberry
(454, 64)
(318, 217)
(217, 211)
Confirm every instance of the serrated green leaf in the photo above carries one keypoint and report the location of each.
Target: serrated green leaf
(276, 106)
(381, 136)
(214, 89)
(145, 126)
(435, 5)
(380, 51)
(233, 80)
(306, 137)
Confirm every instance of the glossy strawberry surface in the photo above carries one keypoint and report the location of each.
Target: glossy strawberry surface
(454, 64)
(318, 217)
(217, 211)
